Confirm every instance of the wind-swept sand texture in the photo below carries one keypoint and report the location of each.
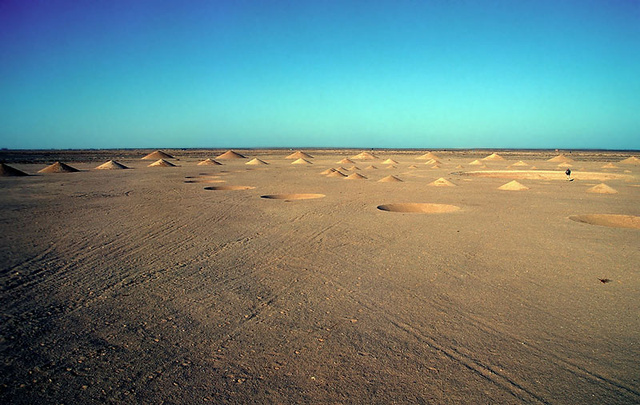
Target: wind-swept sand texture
(390, 179)
(209, 162)
(111, 165)
(138, 288)
(157, 155)
(493, 156)
(560, 158)
(58, 167)
(299, 155)
(364, 156)
(602, 189)
(610, 220)
(8, 171)
(422, 208)
(355, 176)
(301, 162)
(161, 163)
(256, 162)
(228, 155)
(442, 182)
(513, 186)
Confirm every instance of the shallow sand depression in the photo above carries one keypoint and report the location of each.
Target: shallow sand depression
(423, 208)
(610, 220)
(291, 196)
(228, 188)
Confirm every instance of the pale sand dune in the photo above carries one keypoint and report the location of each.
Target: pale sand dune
(157, 155)
(390, 179)
(301, 161)
(476, 163)
(328, 171)
(209, 162)
(513, 186)
(602, 189)
(111, 165)
(520, 163)
(355, 176)
(441, 182)
(346, 161)
(631, 161)
(58, 167)
(134, 287)
(352, 168)
(256, 162)
(560, 158)
(161, 163)
(390, 162)
(336, 173)
(493, 156)
(364, 156)
(299, 155)
(370, 167)
(428, 156)
(229, 155)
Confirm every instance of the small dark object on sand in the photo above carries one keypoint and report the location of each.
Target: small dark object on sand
(605, 280)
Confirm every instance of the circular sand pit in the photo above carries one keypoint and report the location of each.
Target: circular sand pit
(610, 220)
(291, 196)
(422, 208)
(542, 175)
(223, 188)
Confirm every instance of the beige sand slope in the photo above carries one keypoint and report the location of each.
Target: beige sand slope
(8, 171)
(336, 173)
(230, 155)
(328, 171)
(299, 155)
(520, 163)
(432, 162)
(301, 161)
(364, 156)
(390, 179)
(111, 165)
(352, 168)
(441, 182)
(256, 162)
(513, 186)
(209, 162)
(355, 176)
(389, 162)
(631, 161)
(602, 189)
(161, 163)
(157, 155)
(58, 167)
(371, 167)
(560, 158)
(476, 163)
(346, 161)
(428, 156)
(493, 156)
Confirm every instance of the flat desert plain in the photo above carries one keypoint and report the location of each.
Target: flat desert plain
(291, 283)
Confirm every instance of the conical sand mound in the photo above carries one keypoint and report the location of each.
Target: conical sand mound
(513, 186)
(58, 167)
(364, 156)
(459, 167)
(428, 156)
(390, 179)
(230, 155)
(351, 168)
(299, 155)
(371, 167)
(602, 189)
(301, 161)
(442, 182)
(631, 161)
(328, 171)
(346, 161)
(493, 156)
(476, 163)
(256, 161)
(8, 171)
(389, 162)
(157, 155)
(111, 165)
(161, 163)
(520, 163)
(432, 162)
(560, 158)
(609, 166)
(209, 162)
(336, 173)
(355, 176)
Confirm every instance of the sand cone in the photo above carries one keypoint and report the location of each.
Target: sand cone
(111, 165)
(493, 156)
(8, 171)
(364, 156)
(520, 163)
(513, 186)
(475, 163)
(560, 158)
(442, 182)
(631, 161)
(299, 155)
(157, 155)
(389, 162)
(161, 163)
(301, 161)
(58, 167)
(428, 156)
(390, 179)
(351, 168)
(346, 161)
(209, 162)
(371, 167)
(230, 155)
(336, 173)
(256, 162)
(328, 171)
(355, 176)
(602, 189)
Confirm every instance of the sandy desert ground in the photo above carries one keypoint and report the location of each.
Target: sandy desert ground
(231, 284)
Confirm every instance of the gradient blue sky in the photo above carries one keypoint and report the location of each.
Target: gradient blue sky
(385, 74)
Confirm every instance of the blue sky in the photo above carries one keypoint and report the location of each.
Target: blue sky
(385, 74)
